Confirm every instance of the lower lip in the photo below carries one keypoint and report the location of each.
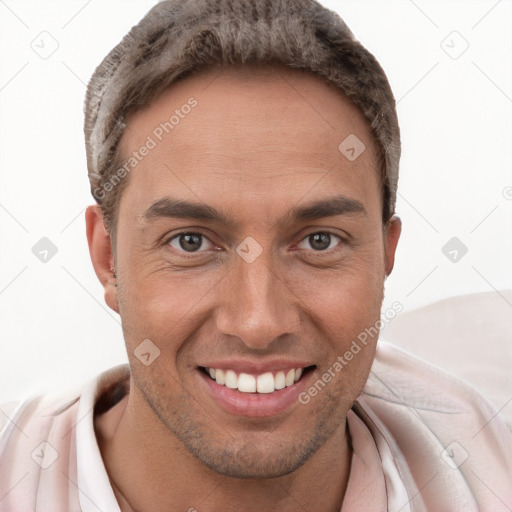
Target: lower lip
(255, 405)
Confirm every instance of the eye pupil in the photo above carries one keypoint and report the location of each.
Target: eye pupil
(192, 242)
(320, 241)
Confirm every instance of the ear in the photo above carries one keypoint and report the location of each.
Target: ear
(100, 249)
(392, 232)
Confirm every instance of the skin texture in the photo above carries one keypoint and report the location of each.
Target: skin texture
(261, 141)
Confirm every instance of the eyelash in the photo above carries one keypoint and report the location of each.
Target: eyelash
(195, 253)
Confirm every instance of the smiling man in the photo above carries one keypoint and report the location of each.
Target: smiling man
(244, 156)
(250, 252)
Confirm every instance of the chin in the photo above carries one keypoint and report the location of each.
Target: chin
(251, 455)
(248, 461)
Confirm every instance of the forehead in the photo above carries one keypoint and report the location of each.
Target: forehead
(263, 130)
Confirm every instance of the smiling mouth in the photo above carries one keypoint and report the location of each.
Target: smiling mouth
(267, 382)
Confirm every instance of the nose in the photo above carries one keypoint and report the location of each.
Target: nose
(258, 304)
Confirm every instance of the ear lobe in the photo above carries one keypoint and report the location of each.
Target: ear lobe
(392, 234)
(100, 250)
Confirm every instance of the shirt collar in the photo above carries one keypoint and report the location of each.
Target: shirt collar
(95, 492)
(371, 473)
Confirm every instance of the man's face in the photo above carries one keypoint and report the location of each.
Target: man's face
(267, 290)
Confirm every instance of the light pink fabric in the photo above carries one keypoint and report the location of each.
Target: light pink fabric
(24, 484)
(452, 449)
(366, 489)
(422, 440)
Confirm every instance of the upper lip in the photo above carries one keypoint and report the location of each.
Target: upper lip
(245, 366)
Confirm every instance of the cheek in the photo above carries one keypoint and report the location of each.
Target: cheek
(160, 304)
(346, 312)
(349, 324)
(350, 295)
(346, 308)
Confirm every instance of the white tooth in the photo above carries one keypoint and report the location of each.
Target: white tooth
(298, 373)
(212, 372)
(265, 383)
(280, 380)
(290, 378)
(219, 377)
(231, 379)
(246, 383)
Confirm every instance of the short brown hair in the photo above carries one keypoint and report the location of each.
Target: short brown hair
(178, 37)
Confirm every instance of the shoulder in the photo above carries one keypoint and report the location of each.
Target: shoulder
(36, 446)
(399, 381)
(25, 418)
(397, 376)
(443, 434)
(38, 452)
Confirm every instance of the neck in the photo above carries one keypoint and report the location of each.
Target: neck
(136, 449)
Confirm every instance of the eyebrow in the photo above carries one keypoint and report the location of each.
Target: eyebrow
(180, 209)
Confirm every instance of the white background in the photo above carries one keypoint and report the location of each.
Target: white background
(456, 167)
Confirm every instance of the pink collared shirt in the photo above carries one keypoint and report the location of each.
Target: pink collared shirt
(422, 441)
